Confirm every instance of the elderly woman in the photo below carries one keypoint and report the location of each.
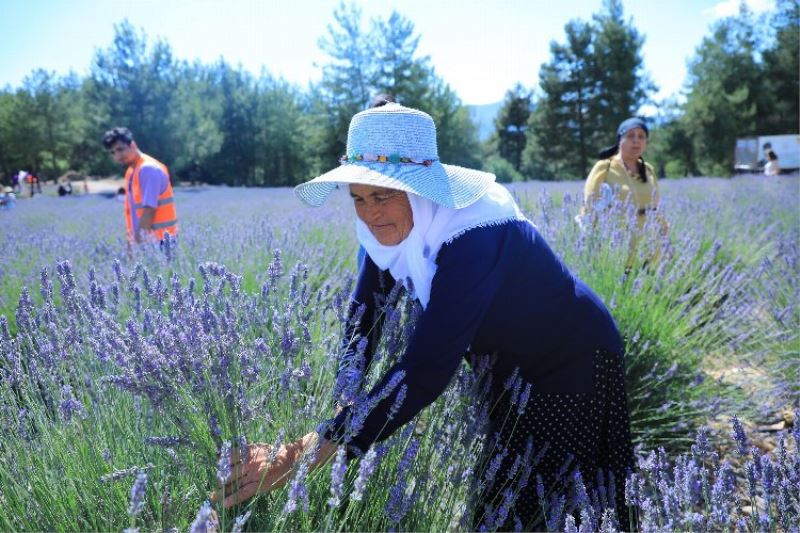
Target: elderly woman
(623, 169)
(487, 283)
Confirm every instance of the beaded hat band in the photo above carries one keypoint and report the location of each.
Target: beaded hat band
(395, 159)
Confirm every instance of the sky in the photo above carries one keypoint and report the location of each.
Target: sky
(480, 47)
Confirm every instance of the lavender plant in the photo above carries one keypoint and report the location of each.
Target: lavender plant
(117, 368)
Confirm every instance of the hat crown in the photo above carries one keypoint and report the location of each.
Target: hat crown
(393, 129)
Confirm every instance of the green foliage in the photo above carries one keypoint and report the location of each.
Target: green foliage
(383, 59)
(721, 102)
(623, 86)
(457, 135)
(560, 124)
(669, 148)
(593, 82)
(220, 124)
(505, 171)
(780, 66)
(675, 169)
(132, 85)
(511, 124)
(743, 81)
(678, 316)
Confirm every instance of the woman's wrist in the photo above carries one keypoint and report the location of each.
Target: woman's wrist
(322, 448)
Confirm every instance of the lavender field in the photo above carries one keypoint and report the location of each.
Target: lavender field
(124, 376)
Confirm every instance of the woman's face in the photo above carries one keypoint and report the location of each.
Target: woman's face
(632, 144)
(386, 212)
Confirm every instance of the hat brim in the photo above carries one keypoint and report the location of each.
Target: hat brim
(448, 185)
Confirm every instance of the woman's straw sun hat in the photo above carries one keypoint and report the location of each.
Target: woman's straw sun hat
(395, 147)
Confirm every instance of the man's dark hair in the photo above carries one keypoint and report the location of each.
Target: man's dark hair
(381, 100)
(118, 134)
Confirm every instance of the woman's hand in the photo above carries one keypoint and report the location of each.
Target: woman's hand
(258, 475)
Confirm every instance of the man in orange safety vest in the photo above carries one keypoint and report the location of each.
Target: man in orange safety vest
(149, 203)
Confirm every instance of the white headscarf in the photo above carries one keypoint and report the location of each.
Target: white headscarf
(434, 225)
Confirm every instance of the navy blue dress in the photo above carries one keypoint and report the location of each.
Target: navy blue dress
(501, 290)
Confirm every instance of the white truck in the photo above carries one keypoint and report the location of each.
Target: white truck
(751, 152)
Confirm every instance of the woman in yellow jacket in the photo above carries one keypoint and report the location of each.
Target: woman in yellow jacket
(623, 171)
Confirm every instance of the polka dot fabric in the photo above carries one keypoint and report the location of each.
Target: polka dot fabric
(589, 432)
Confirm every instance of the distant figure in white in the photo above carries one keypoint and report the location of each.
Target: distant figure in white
(772, 168)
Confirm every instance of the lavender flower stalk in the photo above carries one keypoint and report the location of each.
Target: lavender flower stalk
(137, 494)
(338, 471)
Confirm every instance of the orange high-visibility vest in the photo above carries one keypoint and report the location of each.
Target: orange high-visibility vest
(165, 219)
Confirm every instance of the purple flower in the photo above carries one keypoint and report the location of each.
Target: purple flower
(555, 512)
(721, 495)
(120, 474)
(224, 463)
(494, 465)
(701, 446)
(505, 506)
(399, 503)
(137, 494)
(205, 521)
(364, 406)
(569, 524)
(523, 401)
(511, 380)
(46, 288)
(298, 492)
(338, 471)
(767, 475)
(581, 500)
(739, 435)
(244, 449)
(214, 426)
(238, 524)
(365, 470)
(69, 405)
(398, 401)
(167, 442)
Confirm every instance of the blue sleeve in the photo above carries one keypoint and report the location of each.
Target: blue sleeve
(153, 183)
(462, 290)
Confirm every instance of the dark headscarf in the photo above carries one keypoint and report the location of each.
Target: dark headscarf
(380, 100)
(626, 126)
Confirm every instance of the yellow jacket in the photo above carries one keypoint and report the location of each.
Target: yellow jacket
(644, 196)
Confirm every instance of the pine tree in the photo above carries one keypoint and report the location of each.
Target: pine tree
(562, 127)
(593, 82)
(724, 87)
(623, 86)
(235, 163)
(346, 85)
(383, 60)
(397, 71)
(132, 86)
(781, 68)
(511, 124)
